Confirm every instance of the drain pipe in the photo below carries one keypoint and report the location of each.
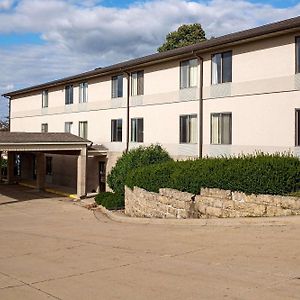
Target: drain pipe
(127, 110)
(200, 149)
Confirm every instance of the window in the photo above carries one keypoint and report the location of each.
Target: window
(221, 67)
(188, 129)
(221, 129)
(45, 98)
(297, 127)
(137, 130)
(68, 127)
(188, 73)
(48, 165)
(83, 92)
(83, 127)
(117, 86)
(44, 127)
(116, 130)
(297, 54)
(137, 83)
(69, 94)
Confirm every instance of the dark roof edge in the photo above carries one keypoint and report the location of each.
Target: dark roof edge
(241, 36)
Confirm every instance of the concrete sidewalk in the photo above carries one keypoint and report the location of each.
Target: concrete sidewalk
(51, 248)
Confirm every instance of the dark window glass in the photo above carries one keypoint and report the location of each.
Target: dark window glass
(137, 130)
(48, 165)
(227, 67)
(137, 83)
(44, 127)
(117, 86)
(69, 94)
(116, 130)
(298, 127)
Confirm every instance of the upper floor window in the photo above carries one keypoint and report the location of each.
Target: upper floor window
(221, 69)
(83, 92)
(188, 129)
(45, 98)
(44, 127)
(297, 54)
(117, 86)
(116, 130)
(137, 130)
(69, 94)
(68, 127)
(297, 127)
(188, 73)
(137, 83)
(83, 129)
(221, 129)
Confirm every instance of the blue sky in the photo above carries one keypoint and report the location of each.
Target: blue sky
(45, 40)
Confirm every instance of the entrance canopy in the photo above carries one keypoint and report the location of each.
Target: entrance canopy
(42, 143)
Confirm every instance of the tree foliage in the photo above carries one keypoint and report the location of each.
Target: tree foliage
(185, 35)
(4, 124)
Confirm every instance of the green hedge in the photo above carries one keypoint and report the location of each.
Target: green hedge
(141, 156)
(259, 174)
(110, 200)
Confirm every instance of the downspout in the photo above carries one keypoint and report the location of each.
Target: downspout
(127, 111)
(200, 149)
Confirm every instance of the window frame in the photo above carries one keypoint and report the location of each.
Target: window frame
(230, 128)
(189, 130)
(46, 126)
(222, 74)
(69, 123)
(117, 78)
(297, 127)
(139, 93)
(83, 122)
(189, 77)
(45, 93)
(69, 88)
(83, 92)
(114, 134)
(137, 130)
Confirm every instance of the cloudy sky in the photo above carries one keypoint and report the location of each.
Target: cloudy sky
(41, 40)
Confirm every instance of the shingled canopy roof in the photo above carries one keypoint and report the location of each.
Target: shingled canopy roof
(7, 137)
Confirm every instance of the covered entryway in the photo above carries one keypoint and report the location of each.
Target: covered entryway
(22, 145)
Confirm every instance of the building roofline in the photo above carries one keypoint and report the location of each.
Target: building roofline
(202, 47)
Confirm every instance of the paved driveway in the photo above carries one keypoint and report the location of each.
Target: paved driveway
(51, 248)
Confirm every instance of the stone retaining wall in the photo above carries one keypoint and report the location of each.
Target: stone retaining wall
(169, 203)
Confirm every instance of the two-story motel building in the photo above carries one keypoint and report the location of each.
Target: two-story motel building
(238, 93)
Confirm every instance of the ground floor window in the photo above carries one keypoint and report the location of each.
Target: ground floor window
(48, 165)
(297, 127)
(137, 130)
(188, 129)
(116, 130)
(221, 128)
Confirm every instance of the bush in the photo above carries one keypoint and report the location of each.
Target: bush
(259, 174)
(110, 200)
(141, 156)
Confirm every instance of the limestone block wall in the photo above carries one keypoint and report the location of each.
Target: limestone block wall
(211, 203)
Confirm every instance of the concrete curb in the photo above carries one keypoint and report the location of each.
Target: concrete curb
(228, 222)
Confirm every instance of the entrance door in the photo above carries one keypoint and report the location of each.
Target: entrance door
(101, 172)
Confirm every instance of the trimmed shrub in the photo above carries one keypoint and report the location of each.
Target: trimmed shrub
(277, 174)
(110, 200)
(141, 156)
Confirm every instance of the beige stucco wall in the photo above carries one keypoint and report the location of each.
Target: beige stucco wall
(262, 98)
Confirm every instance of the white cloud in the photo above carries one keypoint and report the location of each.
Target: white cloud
(80, 35)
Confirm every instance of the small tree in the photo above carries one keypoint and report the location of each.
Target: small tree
(4, 124)
(185, 35)
(141, 156)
